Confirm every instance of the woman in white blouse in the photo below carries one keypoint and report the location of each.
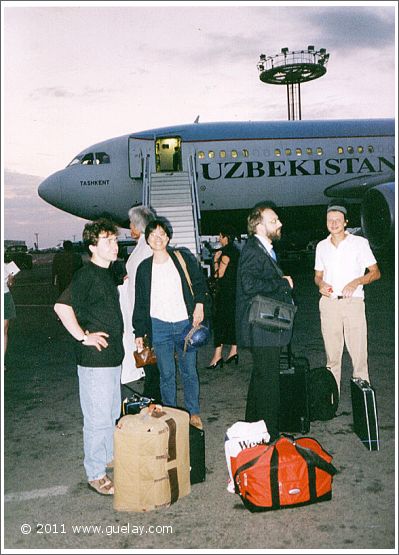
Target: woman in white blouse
(164, 305)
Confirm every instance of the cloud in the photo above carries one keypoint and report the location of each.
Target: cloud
(19, 186)
(63, 93)
(25, 213)
(52, 92)
(358, 27)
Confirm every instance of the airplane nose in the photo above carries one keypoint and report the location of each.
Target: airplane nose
(50, 190)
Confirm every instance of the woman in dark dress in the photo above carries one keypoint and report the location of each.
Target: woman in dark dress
(225, 273)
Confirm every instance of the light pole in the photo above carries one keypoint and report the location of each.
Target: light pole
(292, 69)
(37, 241)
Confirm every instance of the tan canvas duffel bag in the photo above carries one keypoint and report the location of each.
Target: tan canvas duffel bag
(151, 459)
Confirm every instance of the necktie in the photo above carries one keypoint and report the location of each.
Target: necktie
(273, 254)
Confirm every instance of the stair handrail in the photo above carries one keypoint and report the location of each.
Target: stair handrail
(195, 201)
(146, 180)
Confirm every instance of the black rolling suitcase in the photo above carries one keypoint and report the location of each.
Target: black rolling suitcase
(294, 406)
(364, 411)
(197, 455)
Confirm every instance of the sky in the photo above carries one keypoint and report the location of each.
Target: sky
(76, 73)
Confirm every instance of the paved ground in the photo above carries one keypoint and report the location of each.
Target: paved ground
(46, 496)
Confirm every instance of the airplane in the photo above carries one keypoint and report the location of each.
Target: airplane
(217, 171)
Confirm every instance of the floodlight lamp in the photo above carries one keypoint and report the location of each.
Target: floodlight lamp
(310, 48)
(263, 57)
(284, 51)
(322, 50)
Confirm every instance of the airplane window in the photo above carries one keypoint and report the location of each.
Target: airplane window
(234, 154)
(319, 151)
(309, 151)
(201, 155)
(74, 161)
(88, 159)
(222, 154)
(288, 151)
(277, 152)
(102, 158)
(298, 152)
(340, 150)
(211, 154)
(370, 148)
(360, 149)
(350, 149)
(245, 152)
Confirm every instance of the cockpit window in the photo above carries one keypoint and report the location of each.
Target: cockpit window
(102, 158)
(87, 159)
(75, 161)
(90, 158)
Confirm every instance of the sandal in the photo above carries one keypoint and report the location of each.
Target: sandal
(103, 486)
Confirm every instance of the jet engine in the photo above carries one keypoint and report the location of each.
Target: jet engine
(378, 215)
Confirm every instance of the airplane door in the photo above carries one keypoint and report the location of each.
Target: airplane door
(168, 154)
(135, 159)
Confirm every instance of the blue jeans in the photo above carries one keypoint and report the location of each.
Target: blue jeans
(100, 400)
(165, 340)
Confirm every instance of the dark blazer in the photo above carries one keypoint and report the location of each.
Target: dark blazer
(141, 314)
(257, 275)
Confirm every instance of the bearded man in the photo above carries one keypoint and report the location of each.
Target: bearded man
(260, 274)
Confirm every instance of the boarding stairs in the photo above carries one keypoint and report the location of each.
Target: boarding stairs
(173, 196)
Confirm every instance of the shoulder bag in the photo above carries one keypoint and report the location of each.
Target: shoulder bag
(268, 313)
(271, 314)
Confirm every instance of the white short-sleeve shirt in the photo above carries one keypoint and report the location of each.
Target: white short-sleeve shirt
(344, 263)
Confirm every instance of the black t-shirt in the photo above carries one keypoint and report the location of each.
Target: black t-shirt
(94, 297)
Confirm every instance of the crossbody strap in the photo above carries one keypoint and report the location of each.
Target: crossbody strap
(182, 262)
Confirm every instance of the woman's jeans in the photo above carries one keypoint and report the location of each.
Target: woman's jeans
(166, 341)
(100, 400)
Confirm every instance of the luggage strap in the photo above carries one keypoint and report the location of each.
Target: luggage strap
(172, 472)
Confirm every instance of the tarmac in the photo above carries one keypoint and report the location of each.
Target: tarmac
(48, 506)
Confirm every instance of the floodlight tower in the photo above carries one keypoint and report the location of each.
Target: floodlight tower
(292, 69)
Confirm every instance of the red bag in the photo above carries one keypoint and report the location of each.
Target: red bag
(286, 473)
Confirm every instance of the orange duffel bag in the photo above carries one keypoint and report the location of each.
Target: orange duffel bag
(287, 473)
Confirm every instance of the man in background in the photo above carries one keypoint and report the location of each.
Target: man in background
(65, 264)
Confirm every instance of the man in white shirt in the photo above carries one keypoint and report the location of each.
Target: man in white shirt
(140, 217)
(341, 262)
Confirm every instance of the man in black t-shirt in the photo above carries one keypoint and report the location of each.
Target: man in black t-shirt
(89, 309)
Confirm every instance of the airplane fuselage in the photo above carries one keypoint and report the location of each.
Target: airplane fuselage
(237, 164)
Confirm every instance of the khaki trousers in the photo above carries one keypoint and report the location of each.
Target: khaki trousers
(343, 321)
